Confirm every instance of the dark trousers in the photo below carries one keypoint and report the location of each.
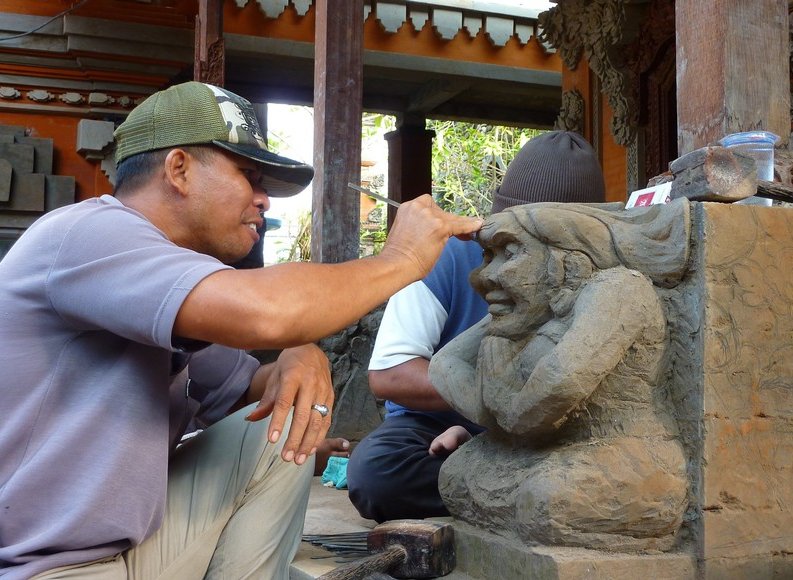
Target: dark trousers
(391, 474)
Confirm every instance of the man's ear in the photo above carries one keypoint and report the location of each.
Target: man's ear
(177, 162)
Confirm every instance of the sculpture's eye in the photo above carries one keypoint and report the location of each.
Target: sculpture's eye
(511, 250)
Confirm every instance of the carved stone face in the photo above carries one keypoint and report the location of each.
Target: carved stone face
(513, 278)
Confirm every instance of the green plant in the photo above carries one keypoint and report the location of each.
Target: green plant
(373, 232)
(300, 251)
(375, 125)
(468, 162)
(371, 239)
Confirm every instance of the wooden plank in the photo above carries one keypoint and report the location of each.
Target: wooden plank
(775, 190)
(409, 163)
(338, 84)
(723, 175)
(713, 174)
(732, 69)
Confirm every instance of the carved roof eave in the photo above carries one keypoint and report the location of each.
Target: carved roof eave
(446, 17)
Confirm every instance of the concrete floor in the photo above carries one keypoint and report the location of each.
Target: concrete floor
(330, 512)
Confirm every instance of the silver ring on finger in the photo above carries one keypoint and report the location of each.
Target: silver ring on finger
(321, 409)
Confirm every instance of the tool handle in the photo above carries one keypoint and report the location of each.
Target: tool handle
(379, 562)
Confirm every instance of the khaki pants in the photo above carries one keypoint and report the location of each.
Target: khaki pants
(235, 510)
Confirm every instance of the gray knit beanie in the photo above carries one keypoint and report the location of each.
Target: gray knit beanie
(555, 166)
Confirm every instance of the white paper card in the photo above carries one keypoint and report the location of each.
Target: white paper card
(650, 195)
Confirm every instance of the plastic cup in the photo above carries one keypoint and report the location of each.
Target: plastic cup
(759, 145)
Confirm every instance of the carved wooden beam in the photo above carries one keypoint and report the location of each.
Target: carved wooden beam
(338, 88)
(595, 30)
(210, 58)
(571, 114)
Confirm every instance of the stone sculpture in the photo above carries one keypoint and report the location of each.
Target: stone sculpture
(567, 372)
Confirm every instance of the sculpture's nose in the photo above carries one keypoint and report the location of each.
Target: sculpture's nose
(488, 275)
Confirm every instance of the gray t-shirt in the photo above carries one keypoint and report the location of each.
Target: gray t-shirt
(88, 299)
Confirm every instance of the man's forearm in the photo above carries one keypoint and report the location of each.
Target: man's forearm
(297, 303)
(286, 304)
(408, 384)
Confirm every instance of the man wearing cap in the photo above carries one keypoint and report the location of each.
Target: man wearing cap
(102, 304)
(393, 472)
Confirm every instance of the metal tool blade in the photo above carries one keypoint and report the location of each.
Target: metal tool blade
(371, 193)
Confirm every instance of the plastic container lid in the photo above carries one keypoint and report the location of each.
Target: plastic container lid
(749, 137)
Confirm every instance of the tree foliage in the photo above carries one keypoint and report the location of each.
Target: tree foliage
(468, 163)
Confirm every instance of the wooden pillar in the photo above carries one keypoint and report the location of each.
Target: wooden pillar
(338, 90)
(210, 57)
(732, 69)
(409, 164)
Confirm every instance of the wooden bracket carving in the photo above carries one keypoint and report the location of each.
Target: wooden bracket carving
(596, 30)
(571, 114)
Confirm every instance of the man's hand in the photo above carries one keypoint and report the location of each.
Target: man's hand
(299, 378)
(421, 230)
(336, 447)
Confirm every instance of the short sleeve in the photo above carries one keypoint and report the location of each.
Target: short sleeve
(411, 327)
(115, 271)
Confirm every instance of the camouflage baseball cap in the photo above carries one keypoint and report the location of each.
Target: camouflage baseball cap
(195, 113)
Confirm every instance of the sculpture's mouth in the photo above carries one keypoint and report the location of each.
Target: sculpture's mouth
(499, 303)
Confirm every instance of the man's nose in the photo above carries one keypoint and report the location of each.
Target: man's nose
(261, 200)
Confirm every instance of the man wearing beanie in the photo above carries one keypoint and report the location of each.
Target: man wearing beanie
(102, 304)
(393, 472)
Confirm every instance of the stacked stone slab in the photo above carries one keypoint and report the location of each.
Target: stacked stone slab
(28, 187)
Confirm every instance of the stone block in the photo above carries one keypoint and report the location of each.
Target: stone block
(13, 130)
(355, 412)
(749, 464)
(93, 137)
(20, 156)
(746, 438)
(481, 554)
(748, 354)
(59, 191)
(5, 180)
(42, 153)
(775, 566)
(27, 193)
(738, 535)
(6, 138)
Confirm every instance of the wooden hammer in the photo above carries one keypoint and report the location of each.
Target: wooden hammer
(403, 549)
